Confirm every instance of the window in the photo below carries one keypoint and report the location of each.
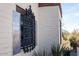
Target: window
(27, 25)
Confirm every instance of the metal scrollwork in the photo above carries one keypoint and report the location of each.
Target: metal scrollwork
(28, 31)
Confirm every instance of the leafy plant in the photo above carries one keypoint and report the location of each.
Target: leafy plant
(56, 51)
(73, 42)
(39, 53)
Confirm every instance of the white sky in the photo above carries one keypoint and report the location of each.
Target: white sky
(70, 18)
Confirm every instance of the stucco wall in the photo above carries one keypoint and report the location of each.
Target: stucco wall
(6, 36)
(6, 29)
(48, 27)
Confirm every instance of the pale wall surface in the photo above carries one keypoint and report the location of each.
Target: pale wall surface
(47, 26)
(6, 33)
(6, 29)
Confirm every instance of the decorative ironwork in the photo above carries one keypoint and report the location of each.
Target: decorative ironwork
(28, 30)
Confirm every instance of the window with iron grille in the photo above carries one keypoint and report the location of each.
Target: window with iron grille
(27, 25)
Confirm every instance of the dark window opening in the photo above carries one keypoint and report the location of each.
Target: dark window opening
(27, 25)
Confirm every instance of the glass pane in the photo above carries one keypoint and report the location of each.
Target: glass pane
(16, 32)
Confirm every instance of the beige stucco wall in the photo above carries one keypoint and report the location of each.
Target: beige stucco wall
(6, 29)
(6, 40)
(47, 26)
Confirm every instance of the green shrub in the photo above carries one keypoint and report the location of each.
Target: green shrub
(55, 51)
(73, 42)
(39, 53)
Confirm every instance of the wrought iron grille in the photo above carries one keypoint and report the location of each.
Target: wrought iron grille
(28, 30)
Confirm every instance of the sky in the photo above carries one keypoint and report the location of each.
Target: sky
(70, 19)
